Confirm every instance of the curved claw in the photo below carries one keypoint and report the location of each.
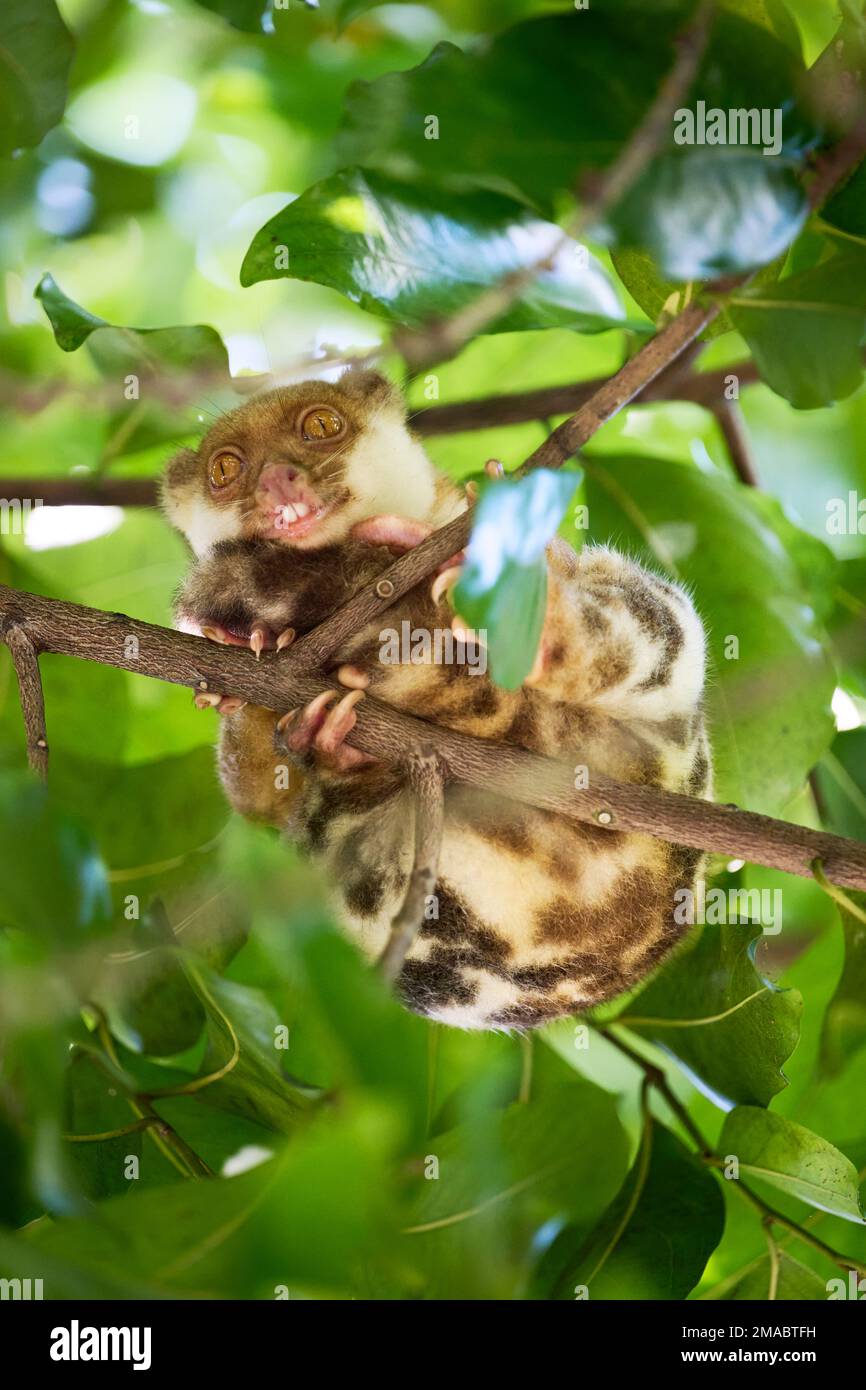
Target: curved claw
(445, 579)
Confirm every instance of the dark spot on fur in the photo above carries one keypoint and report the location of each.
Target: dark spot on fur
(364, 894)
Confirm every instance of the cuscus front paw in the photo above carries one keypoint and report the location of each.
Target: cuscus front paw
(260, 638)
(320, 731)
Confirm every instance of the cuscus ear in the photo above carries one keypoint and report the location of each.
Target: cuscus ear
(399, 532)
(362, 383)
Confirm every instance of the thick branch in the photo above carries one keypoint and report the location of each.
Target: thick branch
(26, 663)
(391, 736)
(427, 778)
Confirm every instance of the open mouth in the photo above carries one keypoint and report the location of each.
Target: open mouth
(294, 519)
(288, 508)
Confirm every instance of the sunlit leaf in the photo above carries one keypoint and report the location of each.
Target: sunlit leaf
(791, 1157)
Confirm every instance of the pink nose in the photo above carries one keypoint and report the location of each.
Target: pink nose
(276, 478)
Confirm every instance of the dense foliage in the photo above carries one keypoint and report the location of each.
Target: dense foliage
(195, 195)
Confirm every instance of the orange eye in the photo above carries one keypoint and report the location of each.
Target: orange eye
(321, 424)
(223, 469)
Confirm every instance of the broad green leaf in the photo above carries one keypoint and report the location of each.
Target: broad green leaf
(251, 16)
(602, 68)
(703, 213)
(848, 624)
(363, 1035)
(792, 1158)
(655, 1238)
(502, 590)
(794, 1282)
(500, 1177)
(729, 1027)
(841, 783)
(54, 882)
(845, 1018)
(805, 332)
(412, 255)
(35, 57)
(148, 349)
(308, 1214)
(759, 584)
(95, 1106)
(244, 1037)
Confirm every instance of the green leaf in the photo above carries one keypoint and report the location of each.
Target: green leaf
(841, 780)
(499, 1178)
(95, 1106)
(655, 1238)
(151, 349)
(412, 255)
(728, 1026)
(792, 1158)
(705, 213)
(309, 1214)
(848, 624)
(601, 68)
(54, 882)
(243, 1030)
(796, 1282)
(844, 1029)
(502, 590)
(770, 682)
(35, 57)
(805, 332)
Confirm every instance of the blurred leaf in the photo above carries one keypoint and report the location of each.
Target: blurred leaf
(841, 784)
(653, 1241)
(759, 584)
(35, 57)
(151, 349)
(243, 1032)
(308, 1214)
(54, 883)
(703, 213)
(848, 623)
(792, 1158)
(94, 1106)
(502, 590)
(412, 255)
(601, 70)
(498, 1179)
(805, 332)
(844, 1029)
(743, 1028)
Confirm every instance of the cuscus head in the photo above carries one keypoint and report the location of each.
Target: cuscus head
(300, 465)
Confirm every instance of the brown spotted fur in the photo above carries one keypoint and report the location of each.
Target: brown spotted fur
(536, 915)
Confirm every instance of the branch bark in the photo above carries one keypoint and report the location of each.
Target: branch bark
(387, 734)
(26, 662)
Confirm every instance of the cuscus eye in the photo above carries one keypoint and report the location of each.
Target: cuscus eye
(321, 423)
(223, 468)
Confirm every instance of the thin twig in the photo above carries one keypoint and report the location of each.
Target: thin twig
(427, 779)
(26, 661)
(730, 419)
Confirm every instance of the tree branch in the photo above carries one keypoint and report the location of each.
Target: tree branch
(26, 661)
(730, 419)
(427, 778)
(391, 736)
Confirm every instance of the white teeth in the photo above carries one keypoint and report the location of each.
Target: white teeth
(301, 509)
(288, 514)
